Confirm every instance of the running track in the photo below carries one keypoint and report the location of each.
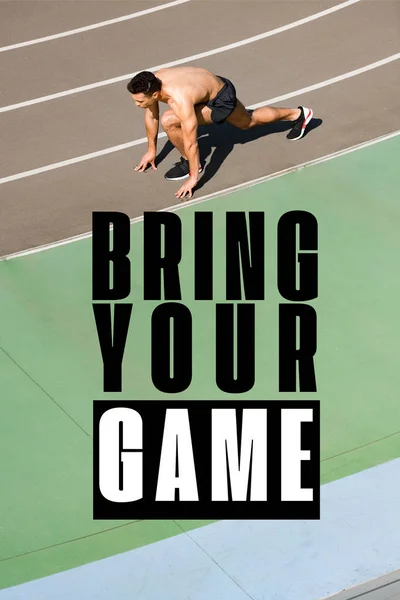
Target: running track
(55, 204)
(71, 134)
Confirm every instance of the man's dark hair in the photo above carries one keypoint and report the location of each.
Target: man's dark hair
(144, 83)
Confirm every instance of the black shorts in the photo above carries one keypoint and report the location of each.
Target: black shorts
(224, 102)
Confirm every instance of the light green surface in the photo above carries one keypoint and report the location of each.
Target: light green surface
(47, 328)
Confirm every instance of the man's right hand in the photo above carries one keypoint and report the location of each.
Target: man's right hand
(147, 158)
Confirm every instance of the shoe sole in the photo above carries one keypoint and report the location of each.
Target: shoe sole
(308, 118)
(180, 178)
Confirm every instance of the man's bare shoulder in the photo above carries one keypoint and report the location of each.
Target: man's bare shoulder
(159, 73)
(177, 92)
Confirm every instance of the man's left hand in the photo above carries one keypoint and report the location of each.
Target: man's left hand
(187, 188)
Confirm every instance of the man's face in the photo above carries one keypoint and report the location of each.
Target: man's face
(143, 101)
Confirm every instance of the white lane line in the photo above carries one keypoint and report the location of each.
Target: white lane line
(180, 61)
(135, 15)
(98, 153)
(224, 192)
(322, 84)
(77, 159)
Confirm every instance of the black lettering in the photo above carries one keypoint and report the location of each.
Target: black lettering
(225, 359)
(290, 355)
(155, 264)
(203, 255)
(238, 255)
(181, 319)
(289, 258)
(112, 346)
(102, 256)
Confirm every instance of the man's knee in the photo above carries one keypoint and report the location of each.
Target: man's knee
(248, 121)
(169, 120)
(241, 118)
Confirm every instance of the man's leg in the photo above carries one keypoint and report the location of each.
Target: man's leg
(172, 127)
(269, 114)
(245, 119)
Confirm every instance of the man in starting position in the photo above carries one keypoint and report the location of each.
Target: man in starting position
(198, 97)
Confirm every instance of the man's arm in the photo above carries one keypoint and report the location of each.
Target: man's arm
(186, 113)
(152, 121)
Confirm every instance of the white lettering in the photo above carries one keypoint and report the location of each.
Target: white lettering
(224, 440)
(177, 445)
(110, 455)
(292, 455)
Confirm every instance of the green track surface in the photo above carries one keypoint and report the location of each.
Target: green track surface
(51, 367)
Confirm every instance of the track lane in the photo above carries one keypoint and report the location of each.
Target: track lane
(25, 19)
(93, 26)
(84, 123)
(59, 204)
(352, 110)
(123, 48)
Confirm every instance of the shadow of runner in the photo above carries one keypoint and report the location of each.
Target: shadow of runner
(224, 138)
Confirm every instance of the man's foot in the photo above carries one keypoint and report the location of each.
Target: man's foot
(180, 170)
(299, 126)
